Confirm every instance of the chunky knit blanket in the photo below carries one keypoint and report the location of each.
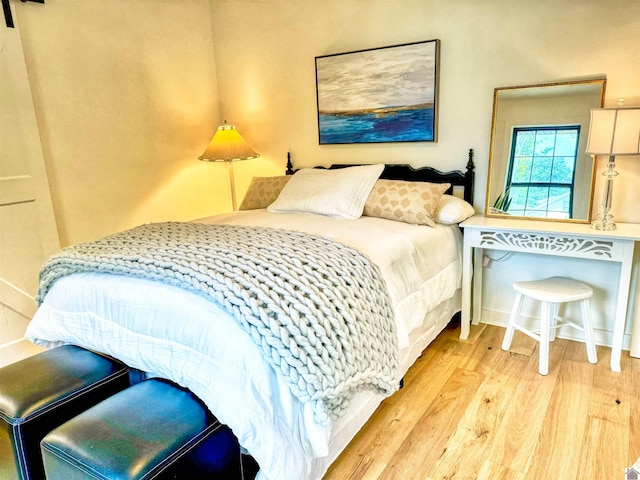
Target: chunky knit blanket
(319, 310)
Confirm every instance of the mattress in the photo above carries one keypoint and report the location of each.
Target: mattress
(186, 338)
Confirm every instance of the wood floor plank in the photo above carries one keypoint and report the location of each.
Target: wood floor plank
(385, 432)
(604, 451)
(523, 344)
(517, 436)
(480, 356)
(428, 439)
(559, 443)
(634, 413)
(492, 471)
(577, 352)
(468, 447)
(470, 410)
(611, 395)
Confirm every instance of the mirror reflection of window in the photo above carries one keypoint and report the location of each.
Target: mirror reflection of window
(541, 173)
(550, 174)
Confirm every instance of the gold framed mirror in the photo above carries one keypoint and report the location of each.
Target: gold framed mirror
(538, 168)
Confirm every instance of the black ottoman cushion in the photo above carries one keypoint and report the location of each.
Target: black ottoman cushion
(152, 430)
(43, 391)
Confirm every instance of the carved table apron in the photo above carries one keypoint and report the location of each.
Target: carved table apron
(547, 238)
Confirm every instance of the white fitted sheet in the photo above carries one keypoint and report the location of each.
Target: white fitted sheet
(184, 337)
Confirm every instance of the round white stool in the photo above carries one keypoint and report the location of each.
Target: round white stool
(551, 292)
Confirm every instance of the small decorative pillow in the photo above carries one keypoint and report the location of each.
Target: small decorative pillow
(263, 191)
(334, 193)
(453, 210)
(410, 202)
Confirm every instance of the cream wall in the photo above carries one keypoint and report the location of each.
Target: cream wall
(128, 93)
(126, 99)
(265, 56)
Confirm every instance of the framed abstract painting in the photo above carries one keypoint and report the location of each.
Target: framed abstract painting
(379, 95)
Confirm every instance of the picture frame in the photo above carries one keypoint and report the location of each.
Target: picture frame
(379, 95)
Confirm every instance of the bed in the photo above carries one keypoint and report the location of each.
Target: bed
(162, 328)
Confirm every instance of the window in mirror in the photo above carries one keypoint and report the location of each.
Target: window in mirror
(558, 104)
(541, 173)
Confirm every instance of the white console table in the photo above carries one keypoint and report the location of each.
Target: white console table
(546, 238)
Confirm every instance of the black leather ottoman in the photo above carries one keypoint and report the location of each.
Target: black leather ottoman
(152, 430)
(43, 391)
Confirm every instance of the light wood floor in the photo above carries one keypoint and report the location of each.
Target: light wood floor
(469, 410)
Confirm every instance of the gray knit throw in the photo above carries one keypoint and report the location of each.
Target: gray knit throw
(319, 310)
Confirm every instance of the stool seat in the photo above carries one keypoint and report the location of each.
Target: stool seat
(152, 430)
(43, 391)
(551, 292)
(554, 289)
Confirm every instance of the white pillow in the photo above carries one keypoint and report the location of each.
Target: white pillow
(452, 210)
(335, 193)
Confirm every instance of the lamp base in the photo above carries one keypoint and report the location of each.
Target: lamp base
(604, 221)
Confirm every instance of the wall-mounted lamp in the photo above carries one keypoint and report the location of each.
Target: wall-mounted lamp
(613, 132)
(227, 145)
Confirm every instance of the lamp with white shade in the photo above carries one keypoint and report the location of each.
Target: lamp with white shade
(612, 132)
(227, 145)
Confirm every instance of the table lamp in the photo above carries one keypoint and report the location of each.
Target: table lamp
(613, 132)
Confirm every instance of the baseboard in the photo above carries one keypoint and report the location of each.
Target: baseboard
(601, 337)
(16, 350)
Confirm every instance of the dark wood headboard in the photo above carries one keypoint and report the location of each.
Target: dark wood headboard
(456, 178)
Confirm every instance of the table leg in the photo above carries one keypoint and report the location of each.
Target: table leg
(621, 308)
(476, 298)
(465, 322)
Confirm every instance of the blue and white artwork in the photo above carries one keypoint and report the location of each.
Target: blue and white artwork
(381, 95)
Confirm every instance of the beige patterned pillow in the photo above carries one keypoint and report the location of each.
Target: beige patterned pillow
(263, 191)
(410, 202)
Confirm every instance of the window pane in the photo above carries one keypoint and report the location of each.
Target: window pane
(559, 199)
(545, 143)
(521, 170)
(566, 143)
(563, 170)
(541, 171)
(537, 199)
(524, 143)
(518, 199)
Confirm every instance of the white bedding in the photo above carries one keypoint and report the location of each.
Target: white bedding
(181, 336)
